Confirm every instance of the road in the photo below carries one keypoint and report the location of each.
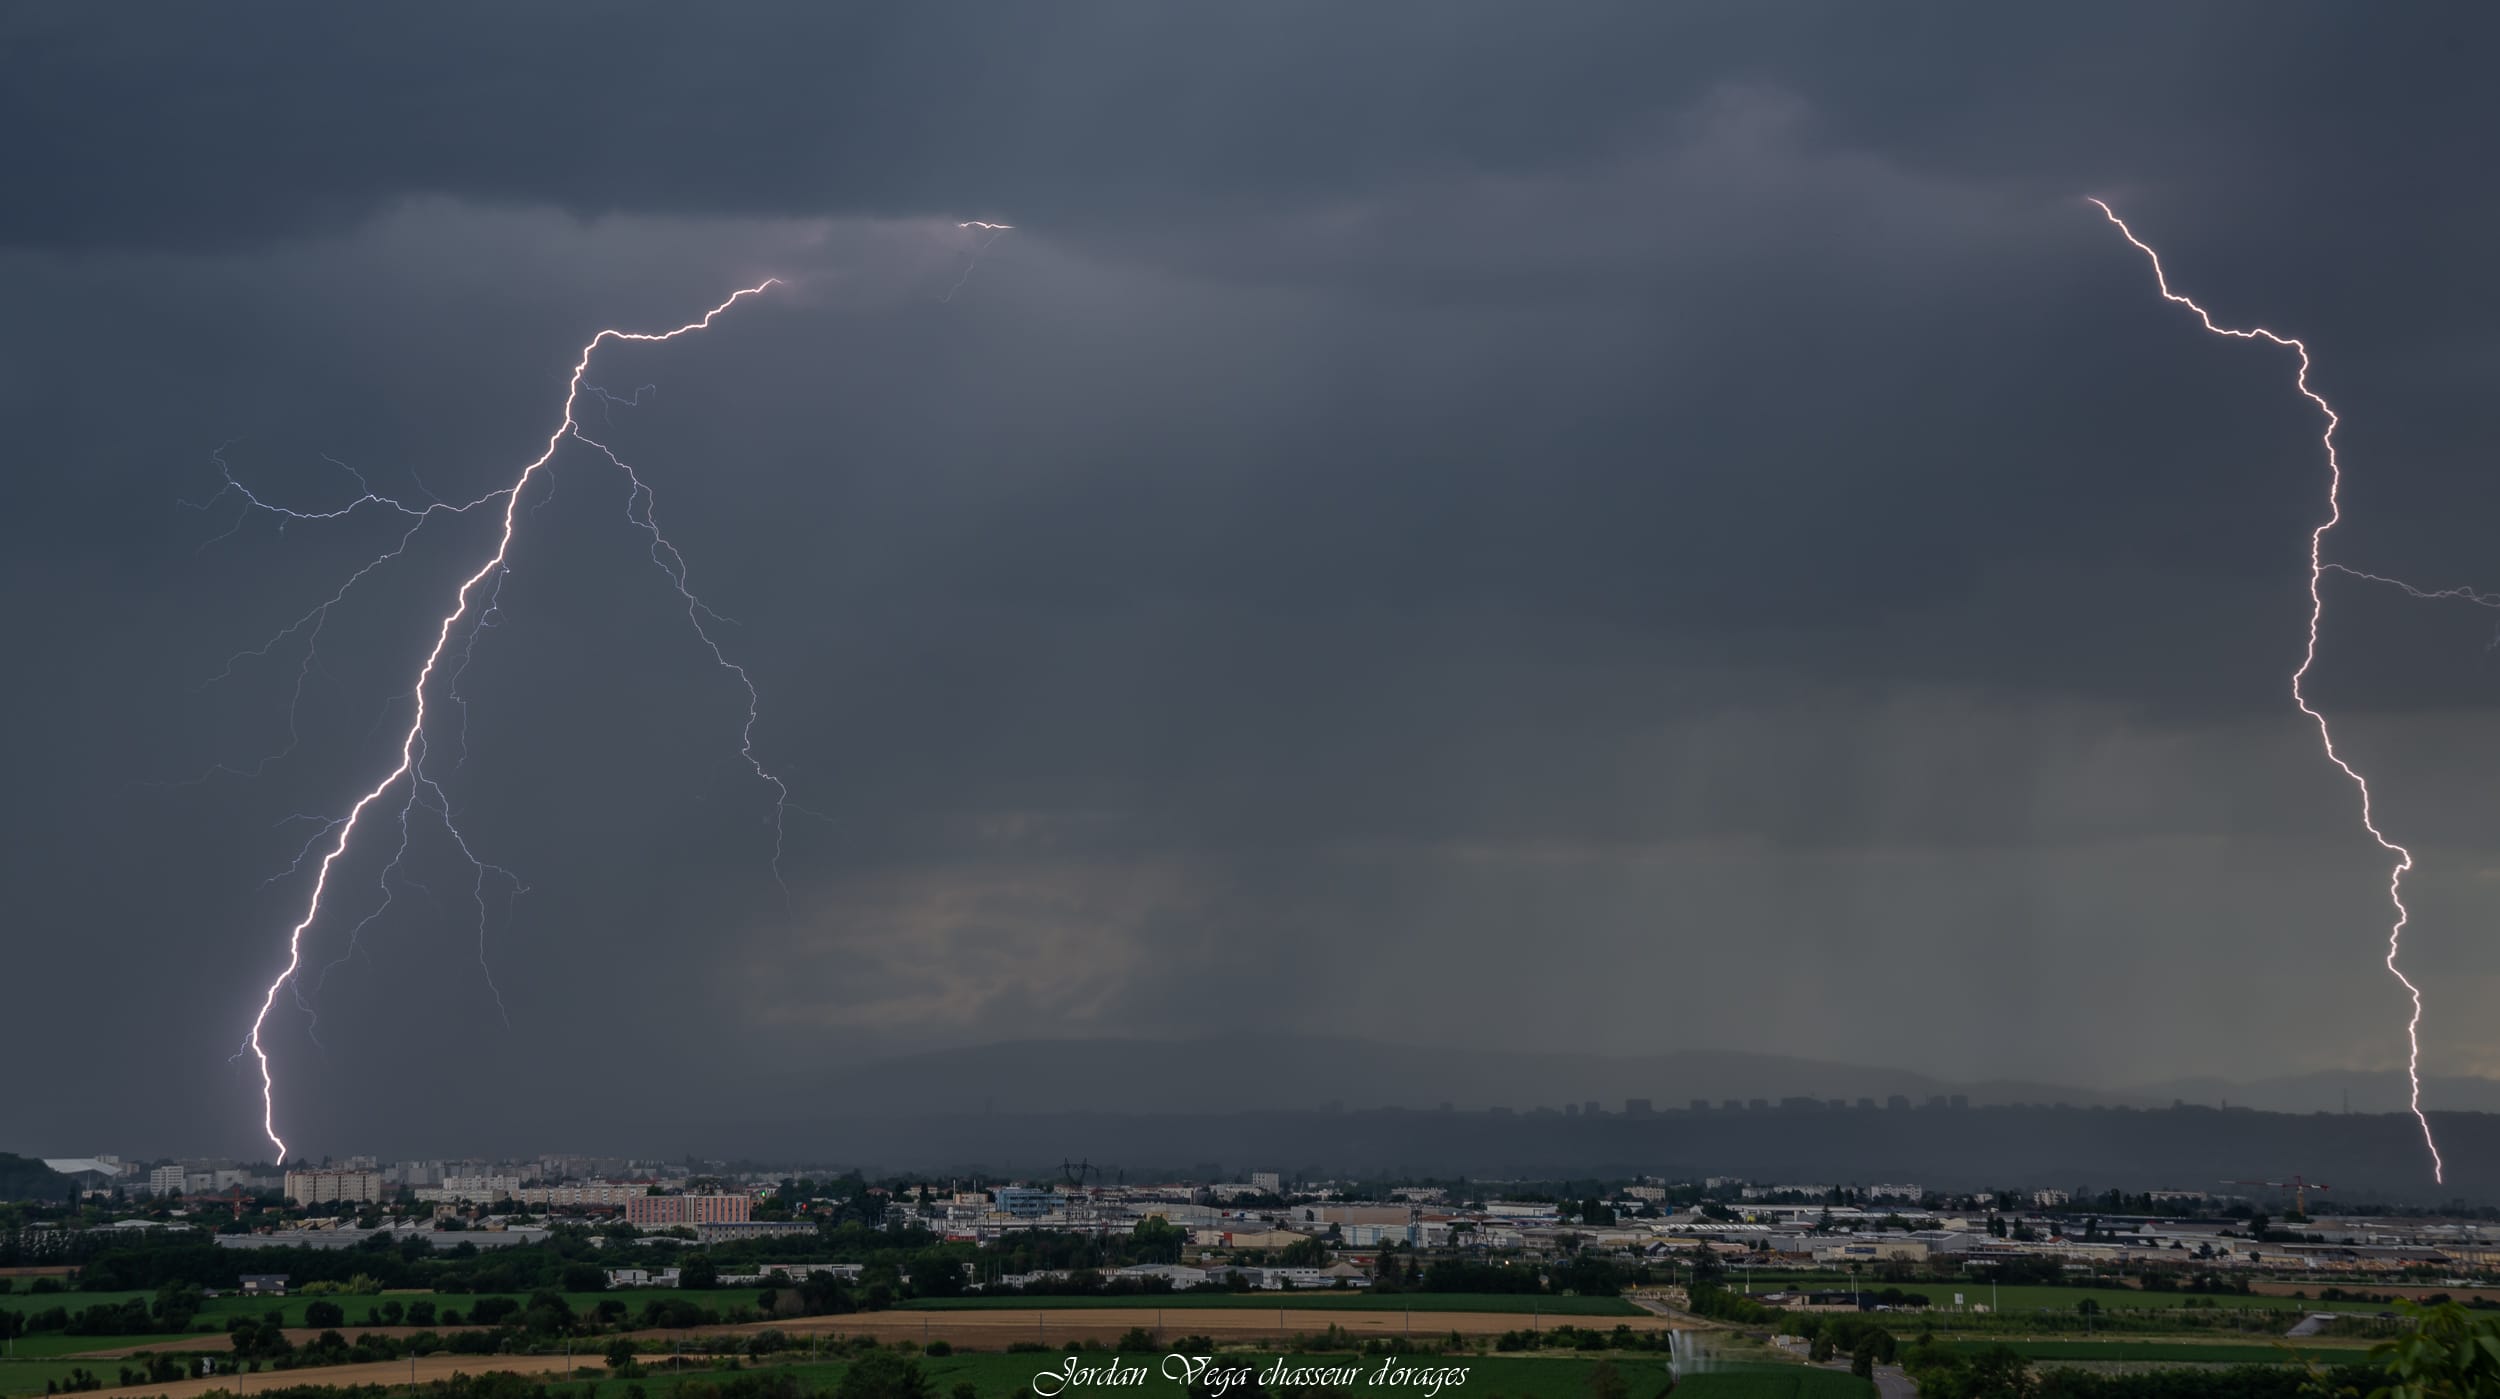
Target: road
(1890, 1381)
(1683, 1319)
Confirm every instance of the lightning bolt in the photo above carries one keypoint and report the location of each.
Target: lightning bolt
(2318, 567)
(2475, 596)
(412, 745)
(995, 230)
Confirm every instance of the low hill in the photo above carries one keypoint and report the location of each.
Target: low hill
(1254, 1072)
(27, 1178)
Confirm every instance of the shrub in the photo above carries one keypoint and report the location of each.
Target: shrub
(883, 1374)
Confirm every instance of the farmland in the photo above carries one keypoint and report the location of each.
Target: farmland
(216, 1311)
(998, 1376)
(2178, 1352)
(2030, 1297)
(1306, 1302)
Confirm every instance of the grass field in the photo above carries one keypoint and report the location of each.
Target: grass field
(2226, 1353)
(1300, 1301)
(21, 1300)
(1774, 1383)
(2033, 1298)
(30, 1376)
(998, 1376)
(218, 1310)
(44, 1344)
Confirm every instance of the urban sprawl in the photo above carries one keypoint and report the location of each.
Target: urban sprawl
(117, 1273)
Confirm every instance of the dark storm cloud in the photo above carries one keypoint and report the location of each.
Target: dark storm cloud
(1591, 526)
(189, 126)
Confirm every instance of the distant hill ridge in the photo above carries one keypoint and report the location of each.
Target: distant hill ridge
(1263, 1072)
(1253, 1072)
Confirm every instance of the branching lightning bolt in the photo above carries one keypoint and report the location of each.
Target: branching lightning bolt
(311, 622)
(673, 565)
(2475, 596)
(410, 768)
(2318, 567)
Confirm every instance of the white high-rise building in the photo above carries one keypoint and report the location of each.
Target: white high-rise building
(484, 1189)
(331, 1187)
(165, 1180)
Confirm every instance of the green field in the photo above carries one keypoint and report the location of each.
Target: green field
(1298, 1302)
(45, 1344)
(30, 1376)
(2177, 1351)
(998, 1376)
(1767, 1382)
(2123, 1299)
(218, 1310)
(2029, 1297)
(21, 1300)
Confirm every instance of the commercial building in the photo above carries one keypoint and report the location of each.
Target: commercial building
(166, 1180)
(1025, 1202)
(1872, 1250)
(1325, 1215)
(91, 1172)
(1245, 1238)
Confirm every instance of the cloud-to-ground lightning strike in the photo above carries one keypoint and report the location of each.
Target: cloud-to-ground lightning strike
(2318, 567)
(412, 745)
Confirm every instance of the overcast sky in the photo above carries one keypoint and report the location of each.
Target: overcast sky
(1587, 526)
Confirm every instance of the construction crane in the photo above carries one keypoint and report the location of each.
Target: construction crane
(2300, 1190)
